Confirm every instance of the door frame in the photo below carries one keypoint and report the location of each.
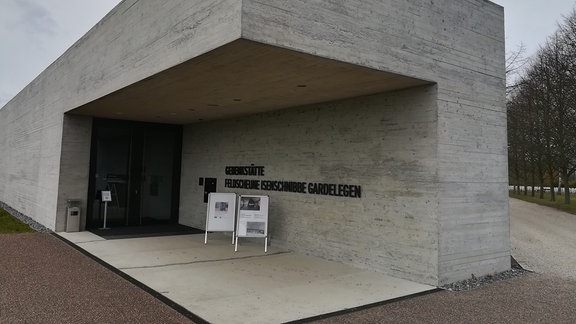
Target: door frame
(136, 129)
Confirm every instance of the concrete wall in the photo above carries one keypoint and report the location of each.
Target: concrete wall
(385, 143)
(459, 45)
(75, 166)
(30, 139)
(136, 40)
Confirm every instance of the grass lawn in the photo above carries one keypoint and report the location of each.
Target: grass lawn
(559, 203)
(9, 224)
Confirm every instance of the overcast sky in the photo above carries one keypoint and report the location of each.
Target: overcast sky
(34, 33)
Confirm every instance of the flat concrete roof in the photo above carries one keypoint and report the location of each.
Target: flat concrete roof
(222, 286)
(241, 78)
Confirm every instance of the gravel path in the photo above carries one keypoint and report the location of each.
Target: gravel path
(543, 239)
(532, 298)
(43, 280)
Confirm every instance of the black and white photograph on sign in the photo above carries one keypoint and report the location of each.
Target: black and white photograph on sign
(257, 228)
(250, 203)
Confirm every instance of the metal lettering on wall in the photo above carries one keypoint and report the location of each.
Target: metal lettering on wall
(314, 188)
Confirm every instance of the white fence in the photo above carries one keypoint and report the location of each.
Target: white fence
(546, 189)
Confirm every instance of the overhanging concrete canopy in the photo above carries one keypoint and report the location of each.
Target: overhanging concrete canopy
(241, 78)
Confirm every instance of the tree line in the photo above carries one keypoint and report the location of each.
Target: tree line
(541, 107)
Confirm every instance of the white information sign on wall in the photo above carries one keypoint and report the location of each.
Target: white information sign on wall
(252, 220)
(106, 196)
(221, 213)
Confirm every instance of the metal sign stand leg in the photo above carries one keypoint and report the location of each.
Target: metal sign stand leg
(206, 237)
(265, 244)
(105, 213)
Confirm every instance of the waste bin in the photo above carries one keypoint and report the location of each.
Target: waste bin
(73, 215)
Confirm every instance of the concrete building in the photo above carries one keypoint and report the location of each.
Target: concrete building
(377, 128)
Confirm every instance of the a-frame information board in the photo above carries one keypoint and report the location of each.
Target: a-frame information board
(252, 219)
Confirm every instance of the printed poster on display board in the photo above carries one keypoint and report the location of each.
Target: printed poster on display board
(221, 213)
(252, 216)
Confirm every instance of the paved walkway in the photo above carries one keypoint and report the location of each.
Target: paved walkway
(223, 286)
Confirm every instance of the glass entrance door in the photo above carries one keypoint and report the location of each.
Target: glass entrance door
(139, 164)
(157, 175)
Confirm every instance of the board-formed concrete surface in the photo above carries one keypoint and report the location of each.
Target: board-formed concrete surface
(223, 286)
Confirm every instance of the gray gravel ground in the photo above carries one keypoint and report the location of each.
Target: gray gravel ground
(44, 280)
(475, 282)
(531, 298)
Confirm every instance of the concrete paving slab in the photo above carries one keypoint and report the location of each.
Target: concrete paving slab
(81, 237)
(223, 286)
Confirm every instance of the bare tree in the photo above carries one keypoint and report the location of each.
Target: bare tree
(515, 62)
(542, 112)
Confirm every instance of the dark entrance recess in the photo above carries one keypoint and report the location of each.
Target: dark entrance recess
(140, 164)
